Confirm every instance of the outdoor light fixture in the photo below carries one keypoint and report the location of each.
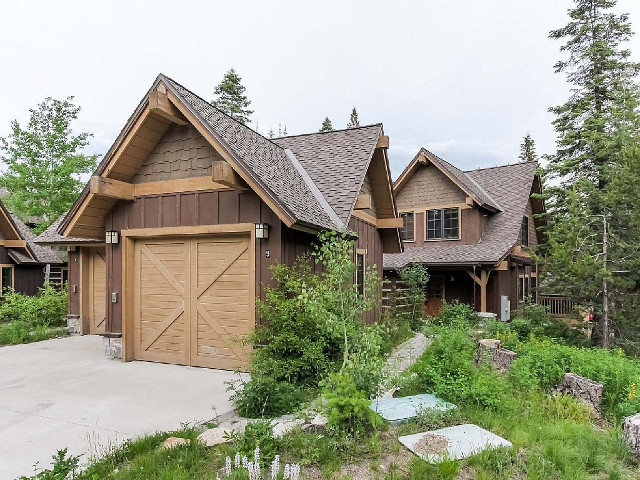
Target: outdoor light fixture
(262, 230)
(112, 236)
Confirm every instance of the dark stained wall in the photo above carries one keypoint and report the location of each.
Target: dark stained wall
(27, 279)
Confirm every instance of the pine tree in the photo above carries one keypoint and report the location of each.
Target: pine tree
(528, 150)
(44, 162)
(271, 133)
(230, 98)
(326, 125)
(594, 127)
(353, 119)
(284, 131)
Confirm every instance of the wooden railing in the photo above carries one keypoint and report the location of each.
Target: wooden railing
(557, 305)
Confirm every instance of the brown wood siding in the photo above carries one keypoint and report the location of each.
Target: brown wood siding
(28, 279)
(369, 239)
(181, 153)
(366, 190)
(428, 186)
(533, 237)
(189, 209)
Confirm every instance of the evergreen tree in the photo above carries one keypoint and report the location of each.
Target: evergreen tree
(528, 150)
(353, 119)
(594, 127)
(284, 131)
(44, 162)
(230, 98)
(326, 125)
(271, 133)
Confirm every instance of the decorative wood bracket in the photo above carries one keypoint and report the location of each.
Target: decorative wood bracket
(389, 223)
(160, 104)
(13, 243)
(383, 141)
(110, 188)
(224, 174)
(363, 201)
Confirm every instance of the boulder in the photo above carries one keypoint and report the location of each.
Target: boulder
(174, 442)
(214, 436)
(489, 350)
(584, 389)
(631, 432)
(284, 426)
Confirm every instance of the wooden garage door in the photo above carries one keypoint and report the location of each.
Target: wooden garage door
(97, 291)
(194, 300)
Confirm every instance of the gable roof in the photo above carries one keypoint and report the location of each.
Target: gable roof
(337, 161)
(463, 180)
(511, 186)
(51, 236)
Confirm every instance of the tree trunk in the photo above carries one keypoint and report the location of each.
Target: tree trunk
(605, 290)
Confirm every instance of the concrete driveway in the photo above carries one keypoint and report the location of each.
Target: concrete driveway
(65, 393)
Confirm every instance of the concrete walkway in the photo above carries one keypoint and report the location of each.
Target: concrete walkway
(64, 393)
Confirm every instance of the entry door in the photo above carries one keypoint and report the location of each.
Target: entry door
(435, 294)
(194, 300)
(97, 291)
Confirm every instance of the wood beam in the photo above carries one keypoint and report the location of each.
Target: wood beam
(13, 243)
(363, 201)
(192, 184)
(502, 266)
(160, 104)
(482, 282)
(383, 141)
(390, 223)
(224, 174)
(110, 188)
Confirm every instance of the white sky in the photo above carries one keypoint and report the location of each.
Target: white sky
(467, 79)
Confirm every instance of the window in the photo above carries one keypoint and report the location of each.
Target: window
(360, 271)
(524, 241)
(406, 235)
(7, 278)
(443, 223)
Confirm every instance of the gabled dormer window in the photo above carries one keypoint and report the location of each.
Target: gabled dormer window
(406, 235)
(443, 224)
(524, 232)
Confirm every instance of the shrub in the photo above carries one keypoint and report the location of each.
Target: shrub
(64, 467)
(347, 408)
(415, 278)
(256, 434)
(455, 315)
(47, 308)
(264, 397)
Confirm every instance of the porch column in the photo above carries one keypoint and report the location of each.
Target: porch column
(482, 282)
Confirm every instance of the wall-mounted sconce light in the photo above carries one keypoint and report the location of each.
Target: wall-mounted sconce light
(112, 236)
(262, 230)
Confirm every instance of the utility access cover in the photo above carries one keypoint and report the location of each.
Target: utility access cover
(452, 443)
(401, 409)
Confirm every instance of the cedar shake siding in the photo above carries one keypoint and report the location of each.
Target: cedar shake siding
(429, 186)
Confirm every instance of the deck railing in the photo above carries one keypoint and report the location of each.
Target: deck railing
(556, 305)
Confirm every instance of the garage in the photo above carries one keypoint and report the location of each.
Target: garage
(97, 291)
(193, 300)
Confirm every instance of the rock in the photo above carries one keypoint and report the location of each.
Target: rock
(285, 426)
(319, 421)
(174, 442)
(214, 436)
(388, 394)
(501, 358)
(631, 432)
(584, 389)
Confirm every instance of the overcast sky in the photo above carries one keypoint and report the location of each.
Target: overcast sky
(467, 79)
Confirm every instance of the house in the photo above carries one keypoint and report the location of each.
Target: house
(25, 265)
(472, 230)
(172, 239)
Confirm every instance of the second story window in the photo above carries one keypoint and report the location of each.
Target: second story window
(525, 232)
(406, 234)
(443, 223)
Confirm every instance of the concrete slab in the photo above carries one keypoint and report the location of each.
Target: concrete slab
(399, 410)
(452, 443)
(64, 393)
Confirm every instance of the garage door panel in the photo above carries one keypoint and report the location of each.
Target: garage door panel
(98, 292)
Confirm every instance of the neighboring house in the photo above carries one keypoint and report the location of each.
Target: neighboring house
(472, 230)
(25, 265)
(172, 239)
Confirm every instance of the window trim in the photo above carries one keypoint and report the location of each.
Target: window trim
(442, 239)
(360, 286)
(413, 214)
(13, 277)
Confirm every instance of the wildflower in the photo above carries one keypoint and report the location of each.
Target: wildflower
(256, 455)
(620, 352)
(275, 467)
(227, 467)
(236, 460)
(245, 461)
(632, 391)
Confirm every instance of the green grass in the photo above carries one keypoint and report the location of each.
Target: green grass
(16, 332)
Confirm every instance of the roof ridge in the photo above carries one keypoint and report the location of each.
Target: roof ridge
(501, 166)
(378, 124)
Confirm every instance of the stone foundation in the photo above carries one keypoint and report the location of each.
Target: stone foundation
(73, 324)
(584, 389)
(501, 358)
(112, 346)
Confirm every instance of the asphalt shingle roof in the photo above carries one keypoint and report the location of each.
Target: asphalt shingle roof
(42, 254)
(51, 236)
(510, 186)
(337, 161)
(265, 161)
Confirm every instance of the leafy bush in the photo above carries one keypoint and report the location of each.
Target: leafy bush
(415, 278)
(455, 315)
(256, 434)
(347, 408)
(64, 468)
(14, 333)
(47, 308)
(265, 397)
